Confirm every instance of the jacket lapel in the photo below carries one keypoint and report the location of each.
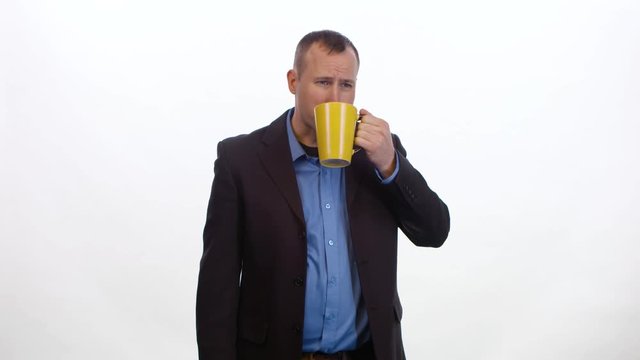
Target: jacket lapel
(276, 158)
(353, 175)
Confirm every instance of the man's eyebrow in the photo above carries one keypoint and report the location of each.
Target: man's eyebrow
(331, 78)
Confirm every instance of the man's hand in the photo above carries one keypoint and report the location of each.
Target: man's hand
(374, 137)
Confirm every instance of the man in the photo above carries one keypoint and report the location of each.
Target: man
(299, 260)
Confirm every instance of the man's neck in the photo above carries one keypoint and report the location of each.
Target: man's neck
(305, 135)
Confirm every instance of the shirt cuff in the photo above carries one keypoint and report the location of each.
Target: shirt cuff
(392, 176)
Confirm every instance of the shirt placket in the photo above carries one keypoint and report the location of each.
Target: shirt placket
(331, 239)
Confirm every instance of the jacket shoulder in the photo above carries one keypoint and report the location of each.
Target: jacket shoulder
(243, 141)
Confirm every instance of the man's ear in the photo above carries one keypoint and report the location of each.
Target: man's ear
(292, 80)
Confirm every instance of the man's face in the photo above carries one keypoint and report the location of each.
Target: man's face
(325, 77)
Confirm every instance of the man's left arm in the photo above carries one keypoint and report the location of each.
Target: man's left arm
(421, 214)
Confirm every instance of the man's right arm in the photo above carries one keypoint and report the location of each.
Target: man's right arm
(220, 267)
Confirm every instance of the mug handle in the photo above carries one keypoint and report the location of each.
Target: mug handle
(357, 148)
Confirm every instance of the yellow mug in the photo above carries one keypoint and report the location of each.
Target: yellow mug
(335, 131)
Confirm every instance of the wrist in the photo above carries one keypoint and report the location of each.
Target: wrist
(388, 170)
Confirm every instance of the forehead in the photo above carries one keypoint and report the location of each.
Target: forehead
(319, 61)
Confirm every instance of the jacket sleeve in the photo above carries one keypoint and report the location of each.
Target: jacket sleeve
(220, 267)
(421, 215)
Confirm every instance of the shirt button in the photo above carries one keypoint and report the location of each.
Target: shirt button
(331, 242)
(328, 206)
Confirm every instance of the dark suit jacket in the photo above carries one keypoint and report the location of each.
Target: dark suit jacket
(251, 293)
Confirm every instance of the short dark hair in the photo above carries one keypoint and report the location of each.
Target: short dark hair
(329, 39)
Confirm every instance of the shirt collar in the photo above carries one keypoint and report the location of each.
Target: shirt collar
(296, 149)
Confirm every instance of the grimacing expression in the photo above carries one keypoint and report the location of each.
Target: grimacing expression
(325, 77)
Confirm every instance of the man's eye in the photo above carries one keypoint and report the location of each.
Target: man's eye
(323, 82)
(347, 85)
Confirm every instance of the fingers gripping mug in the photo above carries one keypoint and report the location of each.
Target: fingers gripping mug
(335, 132)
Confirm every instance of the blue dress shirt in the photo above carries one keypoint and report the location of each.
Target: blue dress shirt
(334, 317)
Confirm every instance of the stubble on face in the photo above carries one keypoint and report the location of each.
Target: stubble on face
(324, 77)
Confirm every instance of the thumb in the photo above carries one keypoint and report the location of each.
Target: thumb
(364, 112)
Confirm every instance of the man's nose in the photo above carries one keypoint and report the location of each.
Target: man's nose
(334, 93)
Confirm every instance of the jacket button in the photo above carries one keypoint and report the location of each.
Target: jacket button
(297, 329)
(298, 282)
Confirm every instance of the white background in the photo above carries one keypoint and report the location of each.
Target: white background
(523, 116)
